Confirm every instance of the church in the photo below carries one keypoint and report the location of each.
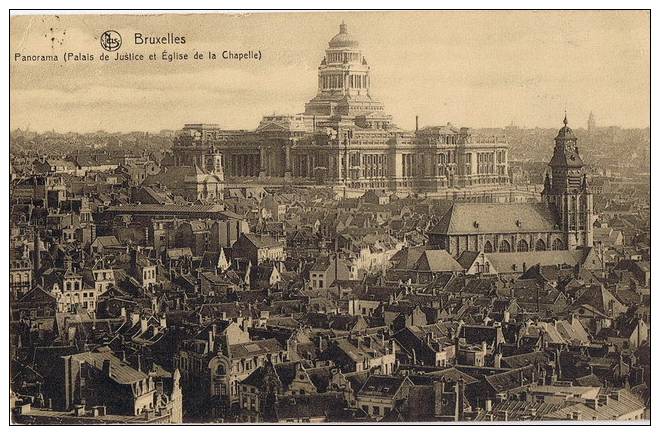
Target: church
(563, 220)
(345, 138)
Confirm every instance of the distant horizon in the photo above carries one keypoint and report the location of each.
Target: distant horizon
(480, 69)
(101, 130)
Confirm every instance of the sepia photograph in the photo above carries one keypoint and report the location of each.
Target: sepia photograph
(342, 217)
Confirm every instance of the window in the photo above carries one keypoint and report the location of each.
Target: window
(540, 245)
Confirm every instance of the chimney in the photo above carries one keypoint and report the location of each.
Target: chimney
(107, 368)
(438, 390)
(507, 316)
(460, 391)
(133, 255)
(143, 325)
(211, 339)
(123, 313)
(37, 255)
(498, 360)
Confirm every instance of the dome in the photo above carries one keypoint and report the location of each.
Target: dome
(343, 39)
(565, 132)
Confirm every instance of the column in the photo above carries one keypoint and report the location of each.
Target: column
(262, 162)
(287, 160)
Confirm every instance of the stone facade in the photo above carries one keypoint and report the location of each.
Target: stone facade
(345, 138)
(563, 221)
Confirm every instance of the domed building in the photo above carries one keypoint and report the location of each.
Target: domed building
(345, 138)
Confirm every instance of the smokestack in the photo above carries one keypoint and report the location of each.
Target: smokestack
(416, 123)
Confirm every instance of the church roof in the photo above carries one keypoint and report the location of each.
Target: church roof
(465, 218)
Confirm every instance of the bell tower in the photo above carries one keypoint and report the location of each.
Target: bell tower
(567, 193)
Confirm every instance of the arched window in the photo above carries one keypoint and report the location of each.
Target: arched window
(557, 245)
(540, 245)
(523, 246)
(488, 247)
(505, 246)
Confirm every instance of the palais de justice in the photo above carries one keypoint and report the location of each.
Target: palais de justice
(344, 138)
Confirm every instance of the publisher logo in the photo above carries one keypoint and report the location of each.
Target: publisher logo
(111, 40)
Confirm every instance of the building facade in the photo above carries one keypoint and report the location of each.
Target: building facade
(562, 221)
(345, 138)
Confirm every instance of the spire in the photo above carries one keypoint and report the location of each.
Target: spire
(565, 119)
(546, 183)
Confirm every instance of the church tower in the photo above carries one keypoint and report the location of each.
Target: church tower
(591, 123)
(567, 193)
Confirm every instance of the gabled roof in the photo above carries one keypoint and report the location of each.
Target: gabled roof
(437, 261)
(121, 371)
(37, 294)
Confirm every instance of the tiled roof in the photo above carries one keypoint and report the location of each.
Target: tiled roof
(507, 262)
(309, 406)
(259, 347)
(437, 261)
(464, 218)
(168, 208)
(381, 386)
(121, 371)
(619, 403)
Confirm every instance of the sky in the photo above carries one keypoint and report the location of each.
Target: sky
(476, 69)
